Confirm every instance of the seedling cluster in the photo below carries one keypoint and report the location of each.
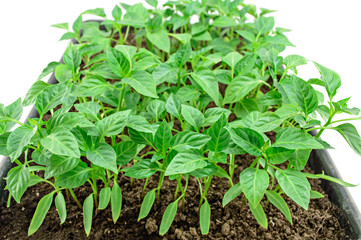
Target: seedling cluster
(178, 91)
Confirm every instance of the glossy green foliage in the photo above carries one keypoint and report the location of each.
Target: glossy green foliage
(148, 94)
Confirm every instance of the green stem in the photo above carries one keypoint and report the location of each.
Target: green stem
(75, 198)
(206, 187)
(346, 119)
(95, 191)
(231, 168)
(145, 186)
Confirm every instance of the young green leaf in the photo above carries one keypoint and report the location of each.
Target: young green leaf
(239, 88)
(315, 194)
(174, 106)
(88, 207)
(113, 124)
(160, 39)
(103, 155)
(331, 79)
(295, 138)
(61, 206)
(49, 98)
(295, 185)
(186, 140)
(259, 215)
(104, 197)
(278, 155)
(205, 217)
(185, 162)
(224, 21)
(142, 169)
(306, 96)
(254, 183)
(280, 203)
(34, 91)
(117, 13)
(143, 83)
(182, 55)
(18, 139)
(147, 204)
(248, 139)
(125, 152)
(329, 178)
(75, 177)
(72, 58)
(193, 116)
(162, 137)
(219, 135)
(168, 217)
(350, 134)
(17, 181)
(206, 79)
(61, 142)
(231, 194)
(40, 213)
(116, 201)
(91, 86)
(118, 62)
(59, 164)
(232, 59)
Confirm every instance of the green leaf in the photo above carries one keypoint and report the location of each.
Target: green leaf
(61, 142)
(232, 59)
(193, 116)
(254, 182)
(248, 139)
(88, 207)
(331, 79)
(139, 123)
(168, 217)
(185, 162)
(174, 106)
(147, 204)
(329, 178)
(306, 96)
(182, 37)
(245, 65)
(205, 217)
(165, 72)
(350, 134)
(231, 194)
(17, 181)
(63, 73)
(91, 86)
(220, 136)
(182, 55)
(59, 164)
(18, 139)
(61, 25)
(103, 155)
(292, 61)
(213, 114)
(40, 213)
(315, 194)
(156, 108)
(68, 120)
(117, 13)
(239, 88)
(136, 16)
(247, 35)
(278, 155)
(264, 24)
(89, 109)
(223, 21)
(295, 185)
(142, 169)
(125, 151)
(96, 11)
(34, 91)
(61, 206)
(141, 137)
(260, 215)
(143, 83)
(153, 3)
(72, 58)
(186, 140)
(78, 24)
(160, 39)
(279, 203)
(295, 138)
(113, 124)
(162, 137)
(49, 98)
(118, 62)
(74, 178)
(116, 201)
(104, 197)
(299, 158)
(3, 144)
(206, 79)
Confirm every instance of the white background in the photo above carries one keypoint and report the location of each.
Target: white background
(324, 31)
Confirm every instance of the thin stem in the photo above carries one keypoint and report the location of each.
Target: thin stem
(75, 198)
(145, 186)
(206, 187)
(95, 192)
(346, 119)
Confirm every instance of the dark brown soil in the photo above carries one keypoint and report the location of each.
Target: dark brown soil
(232, 222)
